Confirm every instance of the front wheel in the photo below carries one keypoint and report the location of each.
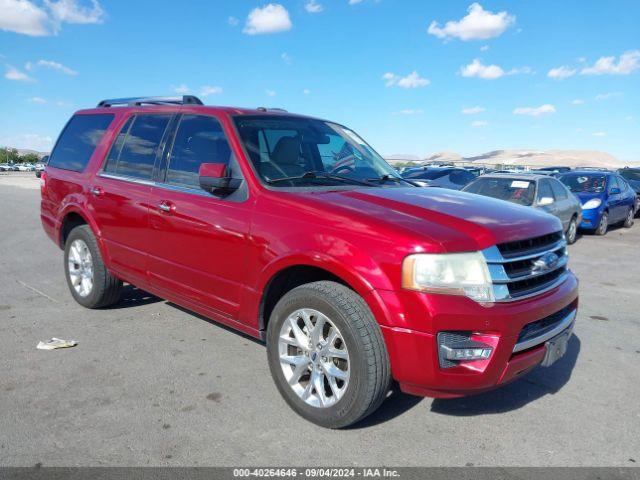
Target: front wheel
(327, 355)
(89, 281)
(603, 226)
(628, 221)
(572, 232)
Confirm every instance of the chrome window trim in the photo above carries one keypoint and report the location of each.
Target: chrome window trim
(563, 325)
(140, 181)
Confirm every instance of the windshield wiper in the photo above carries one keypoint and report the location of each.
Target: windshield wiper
(315, 175)
(392, 178)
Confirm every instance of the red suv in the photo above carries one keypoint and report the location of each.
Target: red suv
(294, 230)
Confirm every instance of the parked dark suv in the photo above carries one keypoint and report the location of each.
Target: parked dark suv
(294, 230)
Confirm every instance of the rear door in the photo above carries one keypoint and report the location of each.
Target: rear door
(121, 191)
(615, 200)
(545, 191)
(199, 240)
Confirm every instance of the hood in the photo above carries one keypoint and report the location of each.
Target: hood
(584, 197)
(453, 220)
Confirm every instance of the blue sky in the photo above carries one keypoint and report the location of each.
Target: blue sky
(411, 76)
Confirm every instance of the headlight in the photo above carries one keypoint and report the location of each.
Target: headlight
(450, 274)
(591, 204)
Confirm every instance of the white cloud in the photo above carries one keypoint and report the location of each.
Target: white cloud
(271, 18)
(599, 134)
(22, 16)
(27, 18)
(271, 93)
(409, 111)
(39, 100)
(413, 80)
(479, 124)
(627, 63)
(181, 89)
(52, 65)
(313, 7)
(71, 11)
(521, 71)
(14, 74)
(577, 101)
(354, 2)
(286, 58)
(484, 48)
(479, 24)
(608, 95)
(545, 109)
(477, 69)
(561, 73)
(233, 21)
(472, 110)
(207, 90)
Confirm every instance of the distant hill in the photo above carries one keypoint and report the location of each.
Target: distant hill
(539, 158)
(25, 151)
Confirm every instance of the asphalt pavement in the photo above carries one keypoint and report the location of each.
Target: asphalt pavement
(152, 384)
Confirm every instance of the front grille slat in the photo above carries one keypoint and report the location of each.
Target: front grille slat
(527, 267)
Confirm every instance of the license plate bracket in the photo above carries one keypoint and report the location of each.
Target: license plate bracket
(557, 347)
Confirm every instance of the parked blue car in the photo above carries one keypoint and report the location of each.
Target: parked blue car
(606, 198)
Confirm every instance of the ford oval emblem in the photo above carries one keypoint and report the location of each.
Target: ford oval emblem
(546, 262)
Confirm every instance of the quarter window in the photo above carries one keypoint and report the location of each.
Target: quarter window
(78, 141)
(544, 190)
(134, 152)
(199, 139)
(559, 191)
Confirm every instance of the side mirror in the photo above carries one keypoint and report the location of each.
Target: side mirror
(545, 201)
(214, 178)
(615, 191)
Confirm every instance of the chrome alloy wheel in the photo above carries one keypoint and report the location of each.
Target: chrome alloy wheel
(80, 264)
(314, 357)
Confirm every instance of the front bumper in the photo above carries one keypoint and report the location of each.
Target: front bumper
(591, 218)
(412, 321)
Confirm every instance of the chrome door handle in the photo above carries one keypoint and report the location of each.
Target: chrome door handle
(166, 207)
(96, 191)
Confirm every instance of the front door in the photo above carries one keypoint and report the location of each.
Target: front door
(198, 240)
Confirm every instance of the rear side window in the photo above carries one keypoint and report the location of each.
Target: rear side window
(544, 190)
(135, 149)
(199, 139)
(78, 141)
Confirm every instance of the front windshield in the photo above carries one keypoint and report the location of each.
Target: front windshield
(426, 174)
(584, 183)
(630, 174)
(304, 152)
(518, 191)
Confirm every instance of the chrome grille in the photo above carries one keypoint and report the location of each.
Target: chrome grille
(528, 267)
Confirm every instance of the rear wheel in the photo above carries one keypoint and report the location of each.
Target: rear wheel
(628, 221)
(603, 226)
(572, 231)
(89, 281)
(327, 355)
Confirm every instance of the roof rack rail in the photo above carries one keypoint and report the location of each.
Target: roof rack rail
(138, 101)
(265, 109)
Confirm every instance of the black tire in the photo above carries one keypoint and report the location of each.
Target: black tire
(603, 226)
(628, 221)
(106, 288)
(369, 371)
(572, 231)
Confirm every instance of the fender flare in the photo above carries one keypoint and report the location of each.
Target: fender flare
(73, 207)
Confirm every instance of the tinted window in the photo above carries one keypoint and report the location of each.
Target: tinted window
(427, 174)
(78, 141)
(630, 174)
(116, 148)
(518, 191)
(139, 146)
(613, 183)
(544, 189)
(461, 177)
(558, 190)
(199, 139)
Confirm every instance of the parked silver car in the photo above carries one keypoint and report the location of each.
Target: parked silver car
(537, 191)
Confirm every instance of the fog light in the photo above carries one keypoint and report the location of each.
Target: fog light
(455, 348)
(466, 353)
